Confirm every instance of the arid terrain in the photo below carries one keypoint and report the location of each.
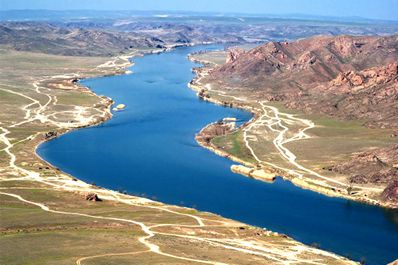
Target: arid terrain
(325, 117)
(107, 33)
(50, 217)
(325, 110)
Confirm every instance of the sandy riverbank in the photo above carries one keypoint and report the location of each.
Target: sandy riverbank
(116, 66)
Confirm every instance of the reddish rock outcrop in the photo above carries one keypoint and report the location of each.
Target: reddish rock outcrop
(378, 166)
(390, 194)
(366, 78)
(344, 76)
(233, 54)
(215, 129)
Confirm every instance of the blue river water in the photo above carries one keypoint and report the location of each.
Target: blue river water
(149, 150)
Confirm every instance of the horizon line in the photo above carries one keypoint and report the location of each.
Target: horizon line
(284, 15)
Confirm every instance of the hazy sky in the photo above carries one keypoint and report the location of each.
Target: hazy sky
(379, 9)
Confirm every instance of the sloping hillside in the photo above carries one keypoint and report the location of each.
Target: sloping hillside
(344, 76)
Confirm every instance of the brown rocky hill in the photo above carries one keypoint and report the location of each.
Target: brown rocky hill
(49, 38)
(345, 76)
(378, 166)
(374, 166)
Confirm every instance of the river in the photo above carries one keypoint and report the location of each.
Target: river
(149, 150)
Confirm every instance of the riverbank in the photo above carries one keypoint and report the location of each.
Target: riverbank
(325, 185)
(55, 203)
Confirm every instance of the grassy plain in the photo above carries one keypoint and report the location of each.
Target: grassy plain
(45, 218)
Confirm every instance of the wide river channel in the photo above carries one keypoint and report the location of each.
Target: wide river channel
(149, 150)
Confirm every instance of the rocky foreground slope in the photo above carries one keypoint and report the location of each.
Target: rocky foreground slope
(344, 76)
(378, 166)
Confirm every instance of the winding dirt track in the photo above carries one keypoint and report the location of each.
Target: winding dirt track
(277, 122)
(37, 111)
(79, 261)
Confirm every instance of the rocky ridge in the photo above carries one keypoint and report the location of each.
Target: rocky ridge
(379, 166)
(345, 76)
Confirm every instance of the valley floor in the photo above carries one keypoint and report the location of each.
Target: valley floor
(45, 217)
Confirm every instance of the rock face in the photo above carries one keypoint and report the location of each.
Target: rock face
(216, 129)
(233, 54)
(344, 76)
(390, 194)
(372, 167)
(366, 78)
(92, 197)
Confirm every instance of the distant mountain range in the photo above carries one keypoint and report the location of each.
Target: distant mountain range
(105, 33)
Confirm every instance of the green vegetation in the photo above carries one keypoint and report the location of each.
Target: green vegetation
(76, 97)
(234, 145)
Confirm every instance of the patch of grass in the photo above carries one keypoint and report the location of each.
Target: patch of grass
(76, 98)
(334, 139)
(65, 247)
(233, 144)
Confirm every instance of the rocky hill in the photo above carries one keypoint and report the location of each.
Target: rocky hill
(95, 35)
(52, 39)
(91, 39)
(379, 166)
(345, 76)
